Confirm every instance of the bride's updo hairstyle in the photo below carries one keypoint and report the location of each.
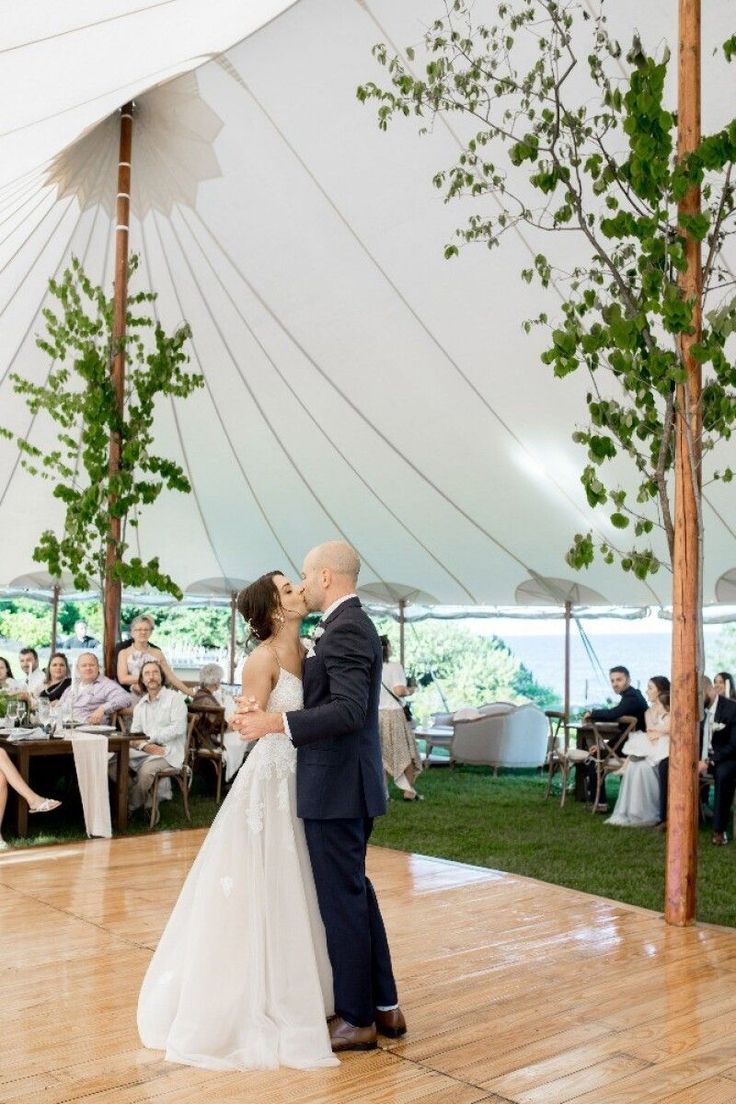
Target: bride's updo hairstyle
(259, 604)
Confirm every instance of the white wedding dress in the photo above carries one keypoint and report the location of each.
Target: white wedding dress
(241, 978)
(637, 805)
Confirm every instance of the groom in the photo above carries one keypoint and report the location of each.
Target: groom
(340, 789)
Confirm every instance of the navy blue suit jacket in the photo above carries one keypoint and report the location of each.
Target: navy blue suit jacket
(339, 771)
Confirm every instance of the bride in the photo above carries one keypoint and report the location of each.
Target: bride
(637, 805)
(241, 978)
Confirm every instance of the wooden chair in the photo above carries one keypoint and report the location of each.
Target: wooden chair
(182, 775)
(208, 742)
(609, 738)
(560, 756)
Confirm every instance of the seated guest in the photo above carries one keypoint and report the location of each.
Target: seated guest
(58, 678)
(718, 756)
(724, 685)
(9, 684)
(81, 637)
(34, 678)
(9, 776)
(132, 656)
(631, 704)
(209, 699)
(637, 805)
(95, 697)
(161, 716)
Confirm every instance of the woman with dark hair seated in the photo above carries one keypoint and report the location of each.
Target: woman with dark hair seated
(638, 802)
(58, 677)
(723, 685)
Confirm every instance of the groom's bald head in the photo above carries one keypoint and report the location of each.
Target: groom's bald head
(338, 557)
(330, 571)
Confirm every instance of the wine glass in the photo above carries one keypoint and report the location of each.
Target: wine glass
(43, 709)
(12, 712)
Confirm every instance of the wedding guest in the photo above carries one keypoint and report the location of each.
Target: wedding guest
(161, 716)
(637, 805)
(10, 777)
(58, 677)
(210, 701)
(663, 768)
(81, 637)
(399, 752)
(631, 704)
(132, 656)
(724, 685)
(35, 677)
(718, 756)
(95, 697)
(7, 682)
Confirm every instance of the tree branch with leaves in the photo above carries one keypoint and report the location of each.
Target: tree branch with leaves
(78, 397)
(603, 167)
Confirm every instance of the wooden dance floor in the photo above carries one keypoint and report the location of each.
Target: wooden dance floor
(514, 990)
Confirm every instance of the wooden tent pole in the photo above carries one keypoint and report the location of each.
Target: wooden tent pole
(54, 616)
(112, 590)
(568, 620)
(682, 837)
(233, 616)
(402, 618)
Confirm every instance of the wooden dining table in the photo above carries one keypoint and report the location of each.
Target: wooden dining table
(23, 751)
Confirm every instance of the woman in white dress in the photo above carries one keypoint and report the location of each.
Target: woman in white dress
(241, 978)
(637, 805)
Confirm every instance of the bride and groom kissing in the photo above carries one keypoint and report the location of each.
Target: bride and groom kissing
(275, 952)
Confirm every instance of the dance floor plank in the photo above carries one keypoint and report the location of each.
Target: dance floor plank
(516, 992)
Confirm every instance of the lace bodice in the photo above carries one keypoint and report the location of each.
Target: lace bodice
(274, 756)
(286, 694)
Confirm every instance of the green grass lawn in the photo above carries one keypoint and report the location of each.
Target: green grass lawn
(504, 823)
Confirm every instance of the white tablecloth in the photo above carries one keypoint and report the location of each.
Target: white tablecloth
(90, 759)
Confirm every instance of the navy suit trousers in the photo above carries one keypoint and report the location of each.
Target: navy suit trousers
(356, 938)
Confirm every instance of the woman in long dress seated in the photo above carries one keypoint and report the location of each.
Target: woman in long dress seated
(637, 805)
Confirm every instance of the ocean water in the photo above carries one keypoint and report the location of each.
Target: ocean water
(644, 653)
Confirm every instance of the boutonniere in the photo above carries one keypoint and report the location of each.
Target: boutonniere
(718, 726)
(318, 633)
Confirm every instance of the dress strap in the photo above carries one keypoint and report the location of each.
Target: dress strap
(275, 655)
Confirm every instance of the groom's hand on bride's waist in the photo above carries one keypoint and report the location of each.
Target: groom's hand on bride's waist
(251, 722)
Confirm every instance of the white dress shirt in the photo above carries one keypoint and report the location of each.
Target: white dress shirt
(164, 722)
(708, 720)
(35, 682)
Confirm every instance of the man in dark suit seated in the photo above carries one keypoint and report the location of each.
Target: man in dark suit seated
(632, 703)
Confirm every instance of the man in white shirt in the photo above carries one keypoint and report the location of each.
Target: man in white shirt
(161, 718)
(35, 678)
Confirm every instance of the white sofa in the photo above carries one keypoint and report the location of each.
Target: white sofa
(500, 735)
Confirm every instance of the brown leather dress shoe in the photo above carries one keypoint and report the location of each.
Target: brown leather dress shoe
(719, 839)
(344, 1036)
(391, 1024)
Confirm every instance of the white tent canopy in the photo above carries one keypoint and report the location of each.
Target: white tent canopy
(357, 384)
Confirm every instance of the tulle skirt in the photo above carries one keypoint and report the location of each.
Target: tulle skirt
(241, 977)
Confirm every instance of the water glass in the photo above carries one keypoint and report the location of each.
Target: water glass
(43, 710)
